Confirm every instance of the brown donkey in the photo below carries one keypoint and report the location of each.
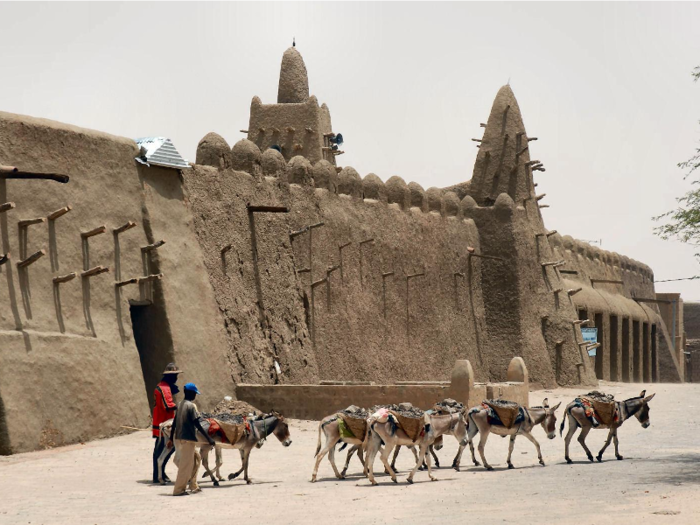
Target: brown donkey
(330, 427)
(479, 422)
(391, 435)
(576, 415)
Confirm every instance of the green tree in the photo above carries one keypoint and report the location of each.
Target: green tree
(683, 223)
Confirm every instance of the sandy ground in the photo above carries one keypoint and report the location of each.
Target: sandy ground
(108, 481)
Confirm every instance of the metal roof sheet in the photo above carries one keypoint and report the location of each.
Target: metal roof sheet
(160, 151)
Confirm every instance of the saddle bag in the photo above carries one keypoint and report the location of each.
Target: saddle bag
(603, 405)
(412, 426)
(356, 425)
(507, 411)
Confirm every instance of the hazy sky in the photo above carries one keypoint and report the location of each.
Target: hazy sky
(605, 87)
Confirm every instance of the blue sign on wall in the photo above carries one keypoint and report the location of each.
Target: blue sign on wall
(590, 336)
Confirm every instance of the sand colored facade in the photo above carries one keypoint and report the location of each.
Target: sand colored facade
(281, 268)
(70, 366)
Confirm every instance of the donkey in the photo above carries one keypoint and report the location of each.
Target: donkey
(330, 427)
(576, 416)
(392, 435)
(478, 422)
(437, 445)
(270, 424)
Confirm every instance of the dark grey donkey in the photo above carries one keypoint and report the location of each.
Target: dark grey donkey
(271, 424)
(576, 416)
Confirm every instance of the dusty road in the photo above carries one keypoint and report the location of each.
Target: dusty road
(108, 481)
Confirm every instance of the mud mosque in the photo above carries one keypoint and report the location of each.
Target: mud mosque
(266, 263)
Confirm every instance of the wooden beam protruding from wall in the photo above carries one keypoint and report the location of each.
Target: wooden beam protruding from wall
(31, 259)
(59, 213)
(97, 270)
(93, 232)
(11, 172)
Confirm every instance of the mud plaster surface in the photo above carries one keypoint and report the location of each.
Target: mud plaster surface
(364, 328)
(107, 481)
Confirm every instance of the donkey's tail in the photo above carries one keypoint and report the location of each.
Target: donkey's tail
(470, 418)
(563, 422)
(365, 442)
(318, 445)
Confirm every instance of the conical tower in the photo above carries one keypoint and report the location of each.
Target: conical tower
(503, 162)
(294, 81)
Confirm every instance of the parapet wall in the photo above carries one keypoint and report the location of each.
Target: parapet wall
(355, 322)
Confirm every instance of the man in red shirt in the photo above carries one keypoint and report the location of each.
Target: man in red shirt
(163, 409)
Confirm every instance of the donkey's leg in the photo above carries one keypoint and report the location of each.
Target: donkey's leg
(352, 450)
(361, 455)
(219, 461)
(385, 459)
(511, 444)
(409, 479)
(331, 458)
(419, 461)
(372, 448)
(537, 446)
(393, 459)
(599, 457)
(204, 452)
(483, 437)
(163, 458)
(617, 453)
(431, 449)
(426, 460)
(471, 433)
(423, 465)
(234, 475)
(458, 457)
(330, 443)
(245, 453)
(582, 440)
(573, 426)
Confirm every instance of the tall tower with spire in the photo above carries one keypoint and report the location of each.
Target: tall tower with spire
(296, 125)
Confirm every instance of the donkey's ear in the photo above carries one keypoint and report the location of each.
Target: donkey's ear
(644, 392)
(554, 409)
(545, 403)
(647, 399)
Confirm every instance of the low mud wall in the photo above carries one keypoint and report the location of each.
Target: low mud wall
(317, 401)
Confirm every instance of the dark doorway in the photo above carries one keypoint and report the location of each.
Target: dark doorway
(646, 353)
(600, 351)
(654, 364)
(614, 349)
(5, 449)
(626, 350)
(636, 353)
(153, 341)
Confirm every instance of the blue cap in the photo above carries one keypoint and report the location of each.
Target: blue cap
(192, 387)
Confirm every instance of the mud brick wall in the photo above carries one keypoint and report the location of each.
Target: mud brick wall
(70, 367)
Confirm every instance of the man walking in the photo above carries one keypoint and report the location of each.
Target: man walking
(184, 433)
(163, 409)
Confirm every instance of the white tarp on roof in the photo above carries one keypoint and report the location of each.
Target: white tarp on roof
(160, 151)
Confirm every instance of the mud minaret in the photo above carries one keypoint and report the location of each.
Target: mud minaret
(502, 165)
(296, 125)
(294, 81)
